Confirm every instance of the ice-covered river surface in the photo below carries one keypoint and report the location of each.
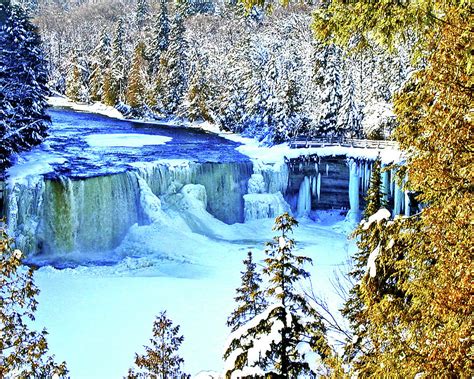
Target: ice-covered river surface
(86, 144)
(184, 261)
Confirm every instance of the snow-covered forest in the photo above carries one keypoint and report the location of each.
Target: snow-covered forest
(148, 189)
(261, 74)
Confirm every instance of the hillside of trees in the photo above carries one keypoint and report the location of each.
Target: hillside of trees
(254, 72)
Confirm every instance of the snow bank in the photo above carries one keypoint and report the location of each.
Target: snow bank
(125, 140)
(98, 108)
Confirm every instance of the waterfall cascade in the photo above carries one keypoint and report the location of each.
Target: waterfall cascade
(63, 215)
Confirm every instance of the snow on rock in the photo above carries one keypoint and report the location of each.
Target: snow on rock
(371, 262)
(125, 140)
(381, 214)
(264, 205)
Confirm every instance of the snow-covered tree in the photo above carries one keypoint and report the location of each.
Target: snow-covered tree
(23, 78)
(197, 96)
(250, 299)
(136, 79)
(159, 38)
(141, 13)
(329, 80)
(349, 120)
(274, 341)
(173, 78)
(74, 80)
(161, 360)
(101, 56)
(118, 65)
(23, 352)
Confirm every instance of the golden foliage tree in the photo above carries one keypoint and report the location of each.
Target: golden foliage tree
(23, 352)
(419, 305)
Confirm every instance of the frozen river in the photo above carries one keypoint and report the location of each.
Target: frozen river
(148, 218)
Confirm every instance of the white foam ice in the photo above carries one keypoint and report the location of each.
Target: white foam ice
(125, 140)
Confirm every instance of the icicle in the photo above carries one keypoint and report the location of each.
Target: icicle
(398, 200)
(327, 169)
(318, 187)
(354, 181)
(304, 198)
(314, 183)
(385, 185)
(407, 204)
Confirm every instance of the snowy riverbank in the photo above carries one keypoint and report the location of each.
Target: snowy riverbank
(250, 146)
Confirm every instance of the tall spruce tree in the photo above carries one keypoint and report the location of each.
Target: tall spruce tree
(159, 38)
(288, 315)
(101, 56)
(118, 65)
(141, 13)
(74, 80)
(423, 325)
(349, 122)
(331, 92)
(173, 78)
(23, 352)
(354, 309)
(161, 360)
(136, 79)
(250, 299)
(23, 78)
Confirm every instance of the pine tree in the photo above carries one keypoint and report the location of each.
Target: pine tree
(289, 315)
(74, 80)
(160, 38)
(141, 13)
(354, 309)
(100, 63)
(118, 62)
(250, 299)
(173, 80)
(23, 352)
(330, 87)
(197, 95)
(136, 79)
(161, 359)
(109, 90)
(349, 120)
(23, 78)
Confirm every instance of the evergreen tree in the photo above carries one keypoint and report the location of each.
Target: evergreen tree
(250, 299)
(74, 80)
(100, 63)
(141, 13)
(197, 97)
(136, 79)
(289, 315)
(23, 78)
(109, 90)
(349, 120)
(23, 352)
(118, 62)
(329, 81)
(160, 38)
(161, 360)
(173, 80)
(354, 309)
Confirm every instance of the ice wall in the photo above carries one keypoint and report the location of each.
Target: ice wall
(64, 215)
